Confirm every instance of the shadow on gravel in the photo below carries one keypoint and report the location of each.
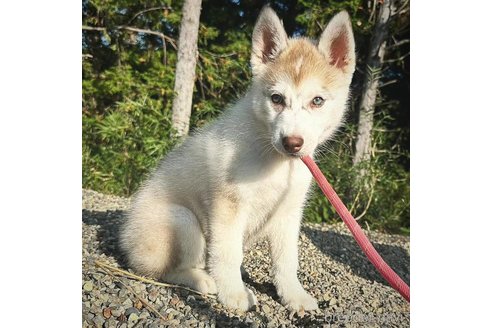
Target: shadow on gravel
(344, 249)
(266, 288)
(109, 223)
(206, 313)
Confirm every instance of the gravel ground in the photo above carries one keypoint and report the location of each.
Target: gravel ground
(333, 269)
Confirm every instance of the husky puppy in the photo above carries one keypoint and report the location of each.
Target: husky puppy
(240, 179)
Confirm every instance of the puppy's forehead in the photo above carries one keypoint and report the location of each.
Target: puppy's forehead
(300, 61)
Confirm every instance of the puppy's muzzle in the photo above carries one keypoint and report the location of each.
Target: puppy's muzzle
(292, 144)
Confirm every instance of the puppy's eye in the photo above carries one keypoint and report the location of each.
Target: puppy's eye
(317, 102)
(277, 99)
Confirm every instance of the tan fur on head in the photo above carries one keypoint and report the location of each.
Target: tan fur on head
(274, 53)
(299, 61)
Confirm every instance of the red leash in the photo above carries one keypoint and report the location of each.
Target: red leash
(384, 269)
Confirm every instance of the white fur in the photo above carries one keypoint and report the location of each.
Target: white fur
(268, 23)
(232, 184)
(299, 64)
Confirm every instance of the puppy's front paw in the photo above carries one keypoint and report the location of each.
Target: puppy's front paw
(206, 285)
(242, 299)
(300, 300)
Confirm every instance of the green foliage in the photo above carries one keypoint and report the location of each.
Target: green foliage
(118, 152)
(316, 15)
(381, 199)
(128, 80)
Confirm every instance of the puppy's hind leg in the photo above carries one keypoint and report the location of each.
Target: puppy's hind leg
(164, 241)
(190, 270)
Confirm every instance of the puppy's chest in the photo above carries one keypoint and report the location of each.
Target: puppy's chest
(284, 185)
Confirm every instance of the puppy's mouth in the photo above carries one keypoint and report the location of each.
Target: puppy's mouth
(295, 155)
(285, 153)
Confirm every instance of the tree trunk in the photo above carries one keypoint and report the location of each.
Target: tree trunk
(185, 67)
(371, 84)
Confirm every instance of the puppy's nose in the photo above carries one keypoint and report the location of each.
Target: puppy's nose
(292, 144)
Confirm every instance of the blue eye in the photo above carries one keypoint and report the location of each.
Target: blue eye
(277, 99)
(317, 101)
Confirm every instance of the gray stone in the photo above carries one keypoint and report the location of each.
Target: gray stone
(144, 315)
(132, 317)
(97, 302)
(117, 311)
(98, 321)
(127, 303)
(104, 297)
(88, 286)
(153, 295)
(131, 310)
(110, 323)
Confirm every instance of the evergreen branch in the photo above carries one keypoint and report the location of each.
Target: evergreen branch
(145, 31)
(396, 59)
(148, 10)
(93, 28)
(373, 73)
(373, 11)
(368, 204)
(397, 44)
(219, 55)
(163, 37)
(404, 8)
(133, 29)
(387, 83)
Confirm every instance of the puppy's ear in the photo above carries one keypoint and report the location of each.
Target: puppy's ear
(337, 43)
(269, 39)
